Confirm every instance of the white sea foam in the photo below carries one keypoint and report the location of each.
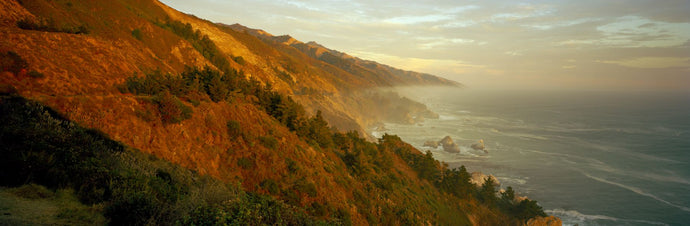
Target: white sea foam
(573, 217)
(447, 117)
(512, 180)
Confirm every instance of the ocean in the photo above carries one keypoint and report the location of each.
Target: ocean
(588, 157)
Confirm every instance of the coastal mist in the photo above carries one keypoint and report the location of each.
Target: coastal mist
(588, 157)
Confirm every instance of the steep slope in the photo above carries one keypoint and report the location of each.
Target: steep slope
(120, 67)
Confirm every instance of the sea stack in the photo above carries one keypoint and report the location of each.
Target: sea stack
(449, 145)
(479, 146)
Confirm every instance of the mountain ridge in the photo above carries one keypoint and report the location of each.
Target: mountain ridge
(316, 50)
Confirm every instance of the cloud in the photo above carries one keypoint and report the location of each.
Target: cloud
(418, 19)
(652, 62)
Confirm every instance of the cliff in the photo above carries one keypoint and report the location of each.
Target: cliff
(218, 102)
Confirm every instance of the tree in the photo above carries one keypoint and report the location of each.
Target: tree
(527, 209)
(487, 192)
(456, 182)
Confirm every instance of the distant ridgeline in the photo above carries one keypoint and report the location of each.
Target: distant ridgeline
(131, 113)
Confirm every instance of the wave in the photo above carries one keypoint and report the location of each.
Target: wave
(637, 191)
(575, 217)
(512, 180)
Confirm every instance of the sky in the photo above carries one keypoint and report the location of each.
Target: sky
(583, 44)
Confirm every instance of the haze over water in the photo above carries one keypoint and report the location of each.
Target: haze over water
(590, 158)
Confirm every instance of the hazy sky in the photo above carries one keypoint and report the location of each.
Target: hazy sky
(612, 44)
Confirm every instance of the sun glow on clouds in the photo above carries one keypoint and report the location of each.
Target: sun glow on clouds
(533, 41)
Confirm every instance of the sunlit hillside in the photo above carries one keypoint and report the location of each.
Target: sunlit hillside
(130, 112)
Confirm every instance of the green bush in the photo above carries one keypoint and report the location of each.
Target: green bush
(234, 128)
(134, 209)
(36, 74)
(136, 33)
(50, 26)
(271, 186)
(269, 142)
(245, 163)
(202, 43)
(306, 187)
(292, 165)
(171, 109)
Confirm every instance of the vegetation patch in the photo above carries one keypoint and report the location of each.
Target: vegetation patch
(202, 43)
(40, 147)
(50, 26)
(136, 33)
(269, 141)
(245, 163)
(172, 110)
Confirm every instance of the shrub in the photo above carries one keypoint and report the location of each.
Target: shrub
(271, 186)
(234, 128)
(172, 110)
(136, 33)
(269, 142)
(317, 209)
(238, 59)
(306, 187)
(50, 26)
(292, 165)
(245, 163)
(134, 209)
(36, 74)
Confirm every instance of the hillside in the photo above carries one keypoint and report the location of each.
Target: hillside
(172, 105)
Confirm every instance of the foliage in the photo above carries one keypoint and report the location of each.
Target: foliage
(456, 181)
(269, 142)
(172, 110)
(234, 128)
(51, 26)
(222, 85)
(271, 186)
(202, 43)
(487, 192)
(136, 33)
(245, 163)
(36, 74)
(41, 147)
(523, 210)
(305, 187)
(239, 60)
(250, 209)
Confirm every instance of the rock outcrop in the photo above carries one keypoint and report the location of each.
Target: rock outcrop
(478, 179)
(545, 221)
(449, 145)
(431, 143)
(479, 146)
